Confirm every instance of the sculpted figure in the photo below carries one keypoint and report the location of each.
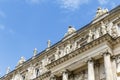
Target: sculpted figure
(115, 32)
(31, 73)
(70, 30)
(57, 55)
(96, 34)
(18, 77)
(109, 26)
(35, 52)
(67, 49)
(101, 11)
(90, 36)
(49, 43)
(103, 28)
(8, 70)
(22, 59)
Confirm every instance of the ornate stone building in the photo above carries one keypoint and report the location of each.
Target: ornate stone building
(90, 53)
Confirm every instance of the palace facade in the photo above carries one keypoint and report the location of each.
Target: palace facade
(90, 53)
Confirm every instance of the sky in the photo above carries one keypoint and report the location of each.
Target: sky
(29, 24)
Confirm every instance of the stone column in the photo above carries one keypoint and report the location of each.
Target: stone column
(114, 68)
(108, 66)
(97, 71)
(65, 75)
(91, 74)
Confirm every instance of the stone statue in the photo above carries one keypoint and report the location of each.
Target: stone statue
(90, 36)
(98, 12)
(109, 26)
(70, 30)
(67, 48)
(103, 28)
(96, 34)
(35, 52)
(115, 32)
(22, 60)
(18, 77)
(48, 43)
(8, 70)
(57, 55)
(31, 73)
(101, 11)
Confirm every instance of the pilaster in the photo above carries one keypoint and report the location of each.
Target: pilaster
(108, 66)
(91, 74)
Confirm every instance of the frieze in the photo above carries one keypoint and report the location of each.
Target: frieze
(80, 50)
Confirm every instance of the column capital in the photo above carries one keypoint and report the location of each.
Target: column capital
(106, 53)
(114, 57)
(65, 71)
(90, 60)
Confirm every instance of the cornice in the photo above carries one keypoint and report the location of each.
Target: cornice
(82, 49)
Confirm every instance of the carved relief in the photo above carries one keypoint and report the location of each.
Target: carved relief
(17, 77)
(96, 34)
(90, 36)
(31, 73)
(67, 49)
(109, 26)
(115, 31)
(103, 28)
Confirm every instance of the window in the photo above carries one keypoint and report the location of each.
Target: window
(37, 72)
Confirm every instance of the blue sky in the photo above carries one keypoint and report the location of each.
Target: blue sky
(28, 24)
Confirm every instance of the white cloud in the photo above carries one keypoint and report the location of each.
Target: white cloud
(72, 4)
(2, 27)
(33, 1)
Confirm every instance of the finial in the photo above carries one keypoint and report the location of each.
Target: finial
(35, 52)
(7, 70)
(48, 43)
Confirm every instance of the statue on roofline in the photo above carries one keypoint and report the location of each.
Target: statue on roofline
(8, 70)
(70, 30)
(100, 12)
(35, 52)
(22, 60)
